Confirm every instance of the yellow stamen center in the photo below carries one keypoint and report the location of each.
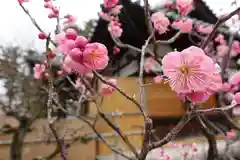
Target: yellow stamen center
(184, 70)
(94, 54)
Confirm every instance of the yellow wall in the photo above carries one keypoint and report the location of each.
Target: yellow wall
(161, 101)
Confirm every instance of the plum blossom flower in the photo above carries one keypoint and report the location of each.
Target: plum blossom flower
(195, 97)
(116, 50)
(222, 50)
(69, 40)
(220, 39)
(189, 70)
(110, 3)
(95, 56)
(70, 65)
(184, 6)
(235, 79)
(205, 30)
(157, 79)
(106, 89)
(38, 70)
(225, 87)
(160, 22)
(69, 19)
(81, 42)
(104, 16)
(22, 1)
(237, 97)
(151, 65)
(183, 26)
(236, 111)
(231, 135)
(235, 48)
(115, 29)
(116, 10)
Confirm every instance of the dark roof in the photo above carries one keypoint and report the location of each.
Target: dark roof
(135, 30)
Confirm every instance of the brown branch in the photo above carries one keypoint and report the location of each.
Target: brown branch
(124, 137)
(128, 46)
(34, 22)
(212, 150)
(103, 140)
(203, 111)
(231, 121)
(150, 26)
(60, 142)
(218, 24)
(172, 134)
(146, 139)
(122, 92)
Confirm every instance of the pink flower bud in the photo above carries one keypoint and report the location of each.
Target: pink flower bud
(237, 97)
(71, 34)
(81, 41)
(42, 36)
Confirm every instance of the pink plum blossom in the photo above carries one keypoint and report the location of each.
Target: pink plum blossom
(70, 19)
(231, 135)
(81, 42)
(160, 22)
(22, 1)
(220, 39)
(235, 48)
(225, 87)
(38, 69)
(95, 56)
(48, 5)
(110, 3)
(116, 50)
(183, 26)
(157, 79)
(236, 111)
(237, 97)
(189, 70)
(115, 29)
(106, 89)
(116, 10)
(195, 97)
(76, 55)
(148, 64)
(205, 30)
(235, 79)
(222, 50)
(184, 6)
(71, 34)
(104, 16)
(70, 65)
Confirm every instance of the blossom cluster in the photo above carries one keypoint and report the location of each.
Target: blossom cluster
(78, 54)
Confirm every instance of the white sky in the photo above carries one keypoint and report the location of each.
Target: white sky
(16, 27)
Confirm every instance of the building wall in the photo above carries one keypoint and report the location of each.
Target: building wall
(40, 141)
(30, 151)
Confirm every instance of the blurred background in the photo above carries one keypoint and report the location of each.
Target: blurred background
(23, 124)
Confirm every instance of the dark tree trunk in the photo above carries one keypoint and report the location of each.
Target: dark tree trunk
(18, 140)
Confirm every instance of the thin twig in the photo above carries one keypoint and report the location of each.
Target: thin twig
(34, 22)
(171, 40)
(60, 142)
(120, 91)
(217, 109)
(218, 24)
(212, 151)
(150, 26)
(185, 119)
